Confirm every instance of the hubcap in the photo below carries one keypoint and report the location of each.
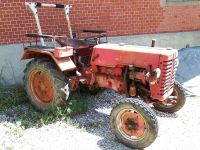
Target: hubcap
(41, 86)
(131, 124)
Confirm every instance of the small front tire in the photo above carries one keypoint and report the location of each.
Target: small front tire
(134, 124)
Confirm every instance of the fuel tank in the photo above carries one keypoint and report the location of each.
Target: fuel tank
(116, 55)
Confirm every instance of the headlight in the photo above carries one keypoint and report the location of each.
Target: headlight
(157, 72)
(152, 78)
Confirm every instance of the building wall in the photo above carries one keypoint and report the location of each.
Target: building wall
(118, 17)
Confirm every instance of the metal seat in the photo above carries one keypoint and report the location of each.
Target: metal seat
(75, 43)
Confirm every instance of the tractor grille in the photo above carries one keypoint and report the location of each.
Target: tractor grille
(169, 69)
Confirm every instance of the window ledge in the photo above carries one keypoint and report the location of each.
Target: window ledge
(164, 3)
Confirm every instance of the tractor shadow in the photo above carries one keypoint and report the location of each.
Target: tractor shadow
(96, 120)
(97, 123)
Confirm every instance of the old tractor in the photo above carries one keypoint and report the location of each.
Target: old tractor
(146, 75)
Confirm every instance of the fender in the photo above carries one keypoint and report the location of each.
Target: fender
(64, 64)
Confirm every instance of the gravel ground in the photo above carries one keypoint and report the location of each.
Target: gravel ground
(178, 131)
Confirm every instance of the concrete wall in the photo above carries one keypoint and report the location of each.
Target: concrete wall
(11, 68)
(175, 40)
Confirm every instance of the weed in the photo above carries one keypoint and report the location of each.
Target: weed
(13, 103)
(33, 118)
(12, 96)
(77, 105)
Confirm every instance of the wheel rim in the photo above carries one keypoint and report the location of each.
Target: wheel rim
(131, 124)
(172, 100)
(40, 86)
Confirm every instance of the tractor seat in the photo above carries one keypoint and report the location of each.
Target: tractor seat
(75, 43)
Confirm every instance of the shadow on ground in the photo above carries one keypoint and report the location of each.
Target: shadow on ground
(96, 121)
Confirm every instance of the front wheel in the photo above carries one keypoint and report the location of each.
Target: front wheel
(174, 102)
(134, 124)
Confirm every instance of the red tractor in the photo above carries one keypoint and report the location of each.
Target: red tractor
(145, 74)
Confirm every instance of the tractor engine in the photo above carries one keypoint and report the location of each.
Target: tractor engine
(110, 78)
(135, 70)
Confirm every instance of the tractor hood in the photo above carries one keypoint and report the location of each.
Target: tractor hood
(118, 55)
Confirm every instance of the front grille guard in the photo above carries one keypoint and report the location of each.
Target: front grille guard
(168, 73)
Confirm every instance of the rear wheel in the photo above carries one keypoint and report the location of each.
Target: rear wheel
(46, 87)
(134, 124)
(175, 101)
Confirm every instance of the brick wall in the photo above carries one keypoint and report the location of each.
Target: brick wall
(118, 17)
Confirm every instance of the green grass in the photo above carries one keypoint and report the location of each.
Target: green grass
(12, 96)
(37, 119)
(14, 103)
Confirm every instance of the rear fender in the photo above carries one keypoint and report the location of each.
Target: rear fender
(64, 64)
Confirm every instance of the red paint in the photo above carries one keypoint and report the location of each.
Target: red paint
(89, 75)
(61, 52)
(40, 86)
(132, 118)
(111, 82)
(63, 63)
(111, 56)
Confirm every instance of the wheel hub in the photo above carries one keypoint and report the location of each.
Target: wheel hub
(41, 86)
(132, 124)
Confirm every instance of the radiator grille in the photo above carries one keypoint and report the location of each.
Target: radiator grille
(169, 69)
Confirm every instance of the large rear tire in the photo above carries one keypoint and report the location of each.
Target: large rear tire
(134, 124)
(175, 102)
(46, 87)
